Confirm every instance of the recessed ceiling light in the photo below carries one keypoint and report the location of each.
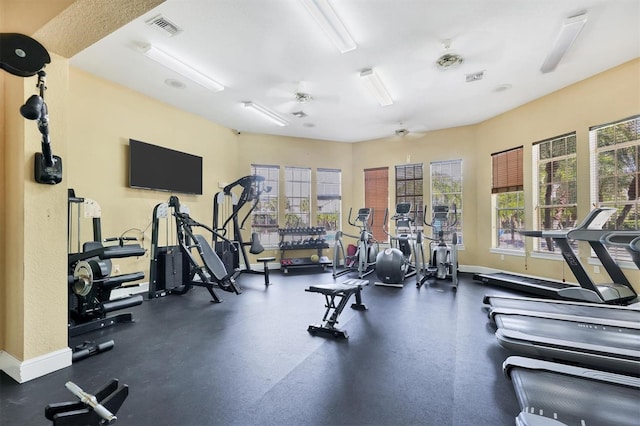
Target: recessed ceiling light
(503, 88)
(176, 84)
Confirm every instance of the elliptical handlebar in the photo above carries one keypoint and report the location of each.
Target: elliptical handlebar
(186, 222)
(252, 188)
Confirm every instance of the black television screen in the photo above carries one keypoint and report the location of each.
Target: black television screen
(164, 169)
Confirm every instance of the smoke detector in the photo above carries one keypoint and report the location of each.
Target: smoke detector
(449, 60)
(402, 132)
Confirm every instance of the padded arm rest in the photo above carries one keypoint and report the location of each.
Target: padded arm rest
(116, 252)
(109, 252)
(118, 280)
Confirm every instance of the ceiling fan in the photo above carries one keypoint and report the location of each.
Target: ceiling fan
(403, 131)
(296, 98)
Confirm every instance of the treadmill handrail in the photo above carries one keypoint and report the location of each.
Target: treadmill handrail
(584, 348)
(619, 238)
(595, 220)
(570, 370)
(600, 235)
(584, 319)
(487, 301)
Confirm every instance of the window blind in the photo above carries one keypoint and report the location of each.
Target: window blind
(507, 171)
(376, 197)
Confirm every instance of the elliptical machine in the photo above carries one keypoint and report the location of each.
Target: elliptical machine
(360, 258)
(232, 248)
(444, 257)
(405, 257)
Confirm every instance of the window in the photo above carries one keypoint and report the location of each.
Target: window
(409, 181)
(297, 211)
(329, 201)
(556, 189)
(446, 190)
(264, 219)
(376, 197)
(508, 198)
(615, 173)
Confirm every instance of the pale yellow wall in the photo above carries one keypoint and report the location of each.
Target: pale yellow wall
(93, 120)
(442, 145)
(296, 152)
(34, 242)
(607, 97)
(105, 116)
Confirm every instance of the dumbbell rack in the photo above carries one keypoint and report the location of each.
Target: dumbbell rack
(302, 238)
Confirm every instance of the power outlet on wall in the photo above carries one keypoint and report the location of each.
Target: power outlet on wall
(116, 269)
(596, 269)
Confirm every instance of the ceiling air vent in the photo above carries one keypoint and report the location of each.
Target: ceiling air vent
(162, 24)
(476, 76)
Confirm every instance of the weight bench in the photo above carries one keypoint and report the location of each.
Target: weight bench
(343, 292)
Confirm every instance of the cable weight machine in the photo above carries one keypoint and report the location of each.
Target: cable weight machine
(175, 269)
(226, 223)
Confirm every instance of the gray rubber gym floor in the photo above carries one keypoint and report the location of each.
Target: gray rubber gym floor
(416, 357)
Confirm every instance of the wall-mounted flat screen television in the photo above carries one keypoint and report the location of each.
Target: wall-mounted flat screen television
(164, 169)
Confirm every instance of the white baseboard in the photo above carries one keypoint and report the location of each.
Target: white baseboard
(474, 269)
(23, 371)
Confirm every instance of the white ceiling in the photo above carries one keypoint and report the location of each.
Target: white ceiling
(266, 50)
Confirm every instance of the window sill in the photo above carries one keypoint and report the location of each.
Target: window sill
(507, 252)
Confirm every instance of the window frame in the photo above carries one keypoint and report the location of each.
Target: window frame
(449, 198)
(297, 181)
(626, 207)
(329, 197)
(409, 183)
(268, 232)
(566, 213)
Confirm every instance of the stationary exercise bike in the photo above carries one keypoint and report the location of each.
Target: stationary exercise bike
(360, 258)
(405, 256)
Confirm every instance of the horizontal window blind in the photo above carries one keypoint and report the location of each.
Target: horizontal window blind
(376, 197)
(507, 171)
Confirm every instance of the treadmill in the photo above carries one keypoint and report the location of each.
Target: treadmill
(635, 251)
(577, 341)
(620, 291)
(629, 240)
(586, 290)
(556, 394)
(612, 315)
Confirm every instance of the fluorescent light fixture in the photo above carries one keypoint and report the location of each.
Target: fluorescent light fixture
(181, 68)
(571, 27)
(375, 86)
(266, 113)
(331, 24)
